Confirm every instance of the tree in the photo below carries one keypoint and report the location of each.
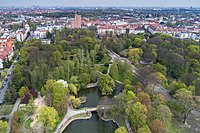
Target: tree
(159, 99)
(23, 56)
(56, 95)
(137, 114)
(159, 78)
(15, 121)
(106, 84)
(157, 126)
(3, 127)
(184, 96)
(23, 91)
(160, 68)
(17, 78)
(94, 75)
(30, 107)
(135, 54)
(3, 74)
(137, 42)
(76, 102)
(114, 71)
(84, 79)
(164, 114)
(121, 130)
(57, 56)
(73, 88)
(144, 129)
(145, 99)
(48, 116)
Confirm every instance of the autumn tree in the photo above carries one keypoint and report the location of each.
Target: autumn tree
(157, 126)
(145, 99)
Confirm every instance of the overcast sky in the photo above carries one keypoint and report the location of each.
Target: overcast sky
(132, 3)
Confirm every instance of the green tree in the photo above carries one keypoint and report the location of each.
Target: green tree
(135, 54)
(23, 91)
(48, 116)
(160, 68)
(30, 107)
(56, 95)
(144, 129)
(164, 114)
(76, 102)
(73, 88)
(137, 42)
(137, 114)
(84, 79)
(106, 84)
(114, 71)
(57, 57)
(17, 76)
(3, 127)
(23, 56)
(121, 130)
(3, 74)
(184, 96)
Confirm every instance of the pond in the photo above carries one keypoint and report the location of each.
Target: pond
(94, 96)
(94, 124)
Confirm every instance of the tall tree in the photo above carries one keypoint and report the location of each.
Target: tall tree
(137, 114)
(57, 56)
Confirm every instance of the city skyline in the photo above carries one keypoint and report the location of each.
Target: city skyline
(102, 3)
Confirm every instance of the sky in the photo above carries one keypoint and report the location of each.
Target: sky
(89, 3)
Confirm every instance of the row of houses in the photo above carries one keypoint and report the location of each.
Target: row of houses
(183, 33)
(6, 50)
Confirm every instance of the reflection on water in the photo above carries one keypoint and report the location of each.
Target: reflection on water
(93, 125)
(94, 96)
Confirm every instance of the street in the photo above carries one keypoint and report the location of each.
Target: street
(5, 87)
(9, 77)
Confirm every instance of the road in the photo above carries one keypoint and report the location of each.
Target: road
(3, 91)
(9, 77)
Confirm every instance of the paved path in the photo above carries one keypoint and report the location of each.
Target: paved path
(92, 85)
(10, 116)
(70, 113)
(128, 126)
